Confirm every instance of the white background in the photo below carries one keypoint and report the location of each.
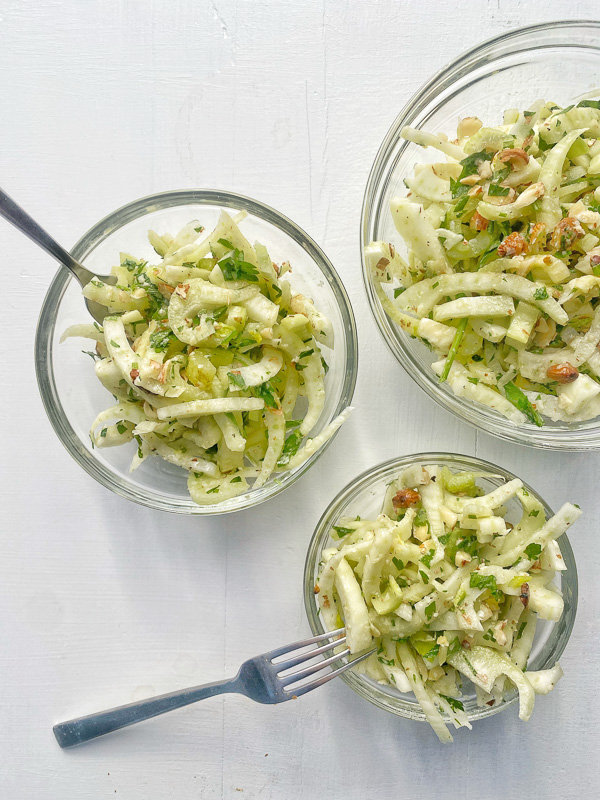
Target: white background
(101, 601)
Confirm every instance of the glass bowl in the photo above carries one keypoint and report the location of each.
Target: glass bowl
(73, 396)
(364, 497)
(558, 61)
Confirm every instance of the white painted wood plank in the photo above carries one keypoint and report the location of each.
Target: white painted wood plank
(102, 602)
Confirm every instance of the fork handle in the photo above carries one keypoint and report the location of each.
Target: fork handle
(82, 729)
(16, 215)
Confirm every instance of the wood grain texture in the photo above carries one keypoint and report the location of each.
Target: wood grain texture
(102, 602)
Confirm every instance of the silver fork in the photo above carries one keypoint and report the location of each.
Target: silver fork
(261, 679)
(13, 212)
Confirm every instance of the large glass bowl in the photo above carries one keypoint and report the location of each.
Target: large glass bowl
(558, 61)
(364, 497)
(72, 394)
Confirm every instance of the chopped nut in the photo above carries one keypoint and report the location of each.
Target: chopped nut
(501, 199)
(515, 156)
(316, 589)
(461, 559)
(182, 289)
(421, 532)
(134, 374)
(470, 180)
(405, 498)
(524, 595)
(513, 245)
(537, 234)
(563, 373)
(484, 170)
(499, 634)
(468, 126)
(475, 190)
(478, 222)
(565, 233)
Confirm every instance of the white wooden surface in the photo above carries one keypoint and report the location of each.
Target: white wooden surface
(101, 601)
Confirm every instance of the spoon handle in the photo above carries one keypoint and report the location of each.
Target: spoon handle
(13, 212)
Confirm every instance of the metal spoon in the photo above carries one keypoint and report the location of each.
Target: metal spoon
(21, 220)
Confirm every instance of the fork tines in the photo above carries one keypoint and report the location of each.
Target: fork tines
(290, 680)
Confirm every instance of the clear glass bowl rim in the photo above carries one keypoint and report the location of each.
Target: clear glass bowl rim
(410, 709)
(47, 321)
(557, 34)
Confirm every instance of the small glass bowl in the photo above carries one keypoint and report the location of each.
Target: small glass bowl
(558, 61)
(73, 396)
(364, 497)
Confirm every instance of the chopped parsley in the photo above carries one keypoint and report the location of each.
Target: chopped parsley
(533, 550)
(234, 268)
(454, 646)
(495, 190)
(522, 627)
(431, 654)
(453, 702)
(515, 396)
(237, 379)
(472, 162)
(160, 340)
(290, 448)
(342, 531)
(266, 393)
(479, 581)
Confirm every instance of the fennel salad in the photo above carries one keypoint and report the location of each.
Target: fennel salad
(215, 364)
(447, 590)
(502, 277)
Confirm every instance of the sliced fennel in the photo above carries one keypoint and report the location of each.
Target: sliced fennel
(502, 271)
(215, 364)
(447, 590)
